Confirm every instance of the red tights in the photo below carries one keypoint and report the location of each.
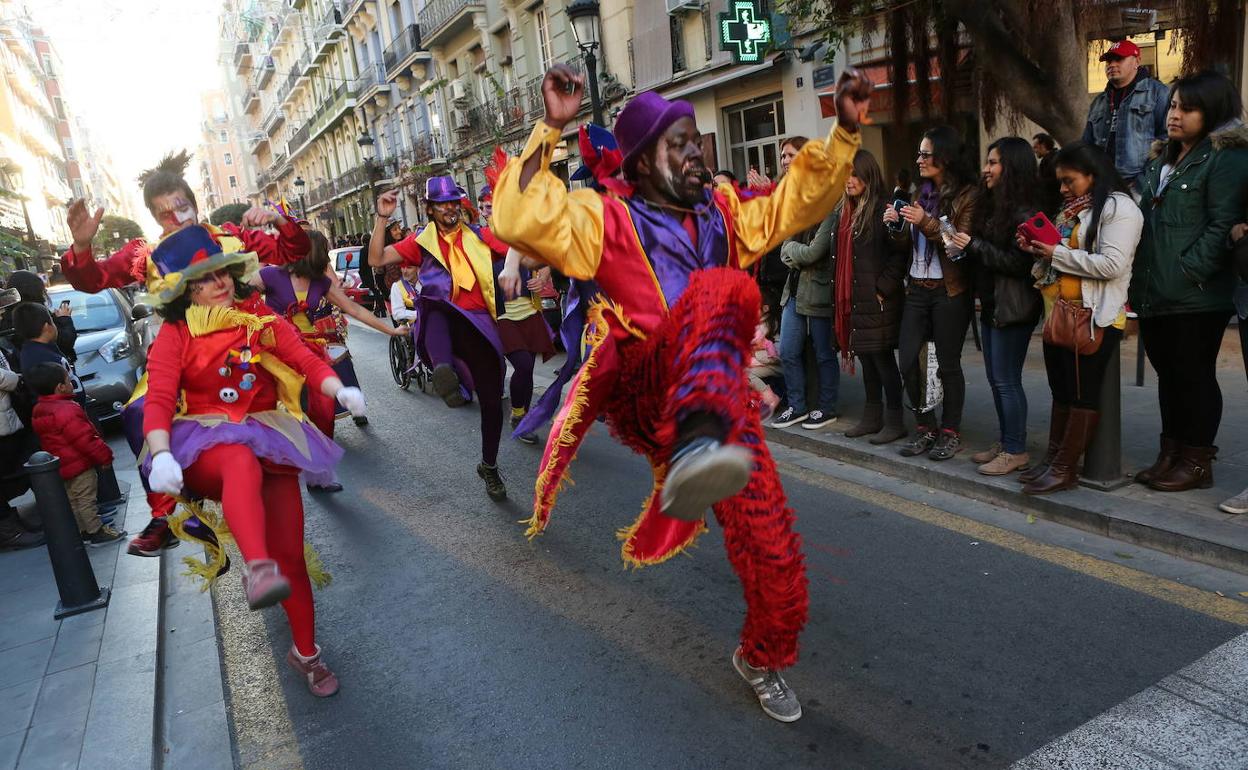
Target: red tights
(265, 512)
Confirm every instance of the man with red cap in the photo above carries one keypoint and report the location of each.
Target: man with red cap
(668, 343)
(1130, 114)
(458, 309)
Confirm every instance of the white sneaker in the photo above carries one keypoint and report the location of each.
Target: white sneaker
(774, 694)
(1236, 504)
(703, 472)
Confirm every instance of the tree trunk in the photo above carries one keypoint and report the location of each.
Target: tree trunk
(1037, 60)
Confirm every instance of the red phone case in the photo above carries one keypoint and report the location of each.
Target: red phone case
(1037, 227)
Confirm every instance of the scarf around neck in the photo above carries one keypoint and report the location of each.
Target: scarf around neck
(1067, 224)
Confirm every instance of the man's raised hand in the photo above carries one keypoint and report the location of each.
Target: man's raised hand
(853, 99)
(387, 202)
(83, 225)
(562, 90)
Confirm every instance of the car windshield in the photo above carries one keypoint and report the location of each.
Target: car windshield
(91, 312)
(347, 260)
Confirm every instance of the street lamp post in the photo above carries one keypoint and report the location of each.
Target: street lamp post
(303, 208)
(365, 141)
(584, 17)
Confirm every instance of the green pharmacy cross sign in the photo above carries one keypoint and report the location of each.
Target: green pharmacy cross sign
(742, 32)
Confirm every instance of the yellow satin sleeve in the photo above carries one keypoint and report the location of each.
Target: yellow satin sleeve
(804, 198)
(563, 229)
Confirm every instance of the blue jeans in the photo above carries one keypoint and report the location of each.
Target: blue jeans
(793, 330)
(1005, 351)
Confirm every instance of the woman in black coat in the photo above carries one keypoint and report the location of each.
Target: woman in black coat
(869, 268)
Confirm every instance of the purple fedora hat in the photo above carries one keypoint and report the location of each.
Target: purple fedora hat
(643, 120)
(442, 189)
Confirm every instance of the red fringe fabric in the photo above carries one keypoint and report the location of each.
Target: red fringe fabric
(695, 362)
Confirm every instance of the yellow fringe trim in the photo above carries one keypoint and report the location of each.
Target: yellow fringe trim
(206, 319)
(210, 515)
(316, 569)
(626, 534)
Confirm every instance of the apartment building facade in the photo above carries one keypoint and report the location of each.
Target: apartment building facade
(225, 174)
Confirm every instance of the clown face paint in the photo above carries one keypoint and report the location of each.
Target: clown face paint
(173, 211)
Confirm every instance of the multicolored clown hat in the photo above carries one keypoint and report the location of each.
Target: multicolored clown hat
(600, 154)
(188, 255)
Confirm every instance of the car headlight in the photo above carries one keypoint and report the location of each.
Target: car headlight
(117, 348)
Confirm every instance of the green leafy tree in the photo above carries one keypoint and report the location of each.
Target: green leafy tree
(114, 233)
(230, 212)
(1027, 57)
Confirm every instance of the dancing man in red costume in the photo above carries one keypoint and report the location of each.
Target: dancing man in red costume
(668, 345)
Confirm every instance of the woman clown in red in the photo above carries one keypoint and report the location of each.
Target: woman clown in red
(667, 347)
(222, 421)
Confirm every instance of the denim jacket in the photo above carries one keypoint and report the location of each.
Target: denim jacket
(1141, 121)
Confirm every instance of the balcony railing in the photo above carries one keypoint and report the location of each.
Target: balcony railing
(402, 47)
(288, 86)
(298, 139)
(264, 72)
(373, 75)
(242, 56)
(437, 13)
(332, 18)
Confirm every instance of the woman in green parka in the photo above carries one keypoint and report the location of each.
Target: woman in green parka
(1182, 283)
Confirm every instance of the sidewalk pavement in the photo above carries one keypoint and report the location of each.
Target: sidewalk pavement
(1187, 524)
(109, 688)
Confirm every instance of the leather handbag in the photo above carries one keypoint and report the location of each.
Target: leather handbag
(1070, 326)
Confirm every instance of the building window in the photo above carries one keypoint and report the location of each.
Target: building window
(224, 137)
(708, 31)
(544, 49)
(677, 29)
(754, 133)
(58, 105)
(78, 191)
(233, 182)
(229, 159)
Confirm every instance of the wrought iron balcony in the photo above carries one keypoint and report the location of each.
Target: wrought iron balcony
(372, 76)
(242, 57)
(401, 50)
(439, 16)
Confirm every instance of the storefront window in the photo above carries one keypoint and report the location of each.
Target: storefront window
(754, 133)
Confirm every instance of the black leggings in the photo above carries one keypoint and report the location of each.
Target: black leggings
(1183, 350)
(881, 378)
(931, 314)
(448, 336)
(1080, 385)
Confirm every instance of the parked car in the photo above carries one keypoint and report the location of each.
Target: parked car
(113, 337)
(346, 262)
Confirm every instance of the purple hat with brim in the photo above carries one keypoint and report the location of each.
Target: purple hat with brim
(643, 120)
(442, 189)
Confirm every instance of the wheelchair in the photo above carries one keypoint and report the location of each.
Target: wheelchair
(405, 366)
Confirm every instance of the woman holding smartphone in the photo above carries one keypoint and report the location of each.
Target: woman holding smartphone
(938, 302)
(1090, 268)
(1009, 303)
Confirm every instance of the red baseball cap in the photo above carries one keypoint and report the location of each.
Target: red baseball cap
(1121, 50)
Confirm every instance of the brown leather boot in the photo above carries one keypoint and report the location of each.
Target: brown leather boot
(1165, 460)
(1058, 416)
(1192, 470)
(1063, 472)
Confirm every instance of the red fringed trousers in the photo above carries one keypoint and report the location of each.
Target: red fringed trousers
(696, 361)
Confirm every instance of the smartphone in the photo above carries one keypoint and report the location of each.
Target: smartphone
(898, 205)
(1037, 227)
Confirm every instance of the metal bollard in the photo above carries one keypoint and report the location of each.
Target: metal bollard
(75, 580)
(110, 495)
(1102, 464)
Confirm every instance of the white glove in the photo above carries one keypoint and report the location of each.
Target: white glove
(166, 475)
(353, 400)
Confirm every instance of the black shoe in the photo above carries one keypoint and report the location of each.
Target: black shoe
(948, 444)
(819, 418)
(494, 486)
(446, 385)
(920, 443)
(18, 539)
(105, 535)
(326, 488)
(360, 421)
(529, 438)
(789, 416)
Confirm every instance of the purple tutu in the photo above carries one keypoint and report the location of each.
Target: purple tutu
(273, 435)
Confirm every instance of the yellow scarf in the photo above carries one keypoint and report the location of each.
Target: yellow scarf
(470, 261)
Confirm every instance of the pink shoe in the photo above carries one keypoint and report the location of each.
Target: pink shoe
(263, 584)
(321, 681)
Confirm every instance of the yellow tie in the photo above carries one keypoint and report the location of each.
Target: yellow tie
(461, 269)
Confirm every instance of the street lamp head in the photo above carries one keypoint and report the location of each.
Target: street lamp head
(299, 182)
(365, 141)
(584, 17)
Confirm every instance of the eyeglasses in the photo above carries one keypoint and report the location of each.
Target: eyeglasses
(925, 155)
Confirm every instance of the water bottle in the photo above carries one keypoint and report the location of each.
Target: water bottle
(947, 231)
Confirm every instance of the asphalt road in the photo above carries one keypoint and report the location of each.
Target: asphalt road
(460, 644)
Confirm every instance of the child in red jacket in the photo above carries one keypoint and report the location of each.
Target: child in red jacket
(65, 431)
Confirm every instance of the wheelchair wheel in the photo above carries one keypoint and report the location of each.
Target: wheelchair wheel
(400, 363)
(421, 375)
